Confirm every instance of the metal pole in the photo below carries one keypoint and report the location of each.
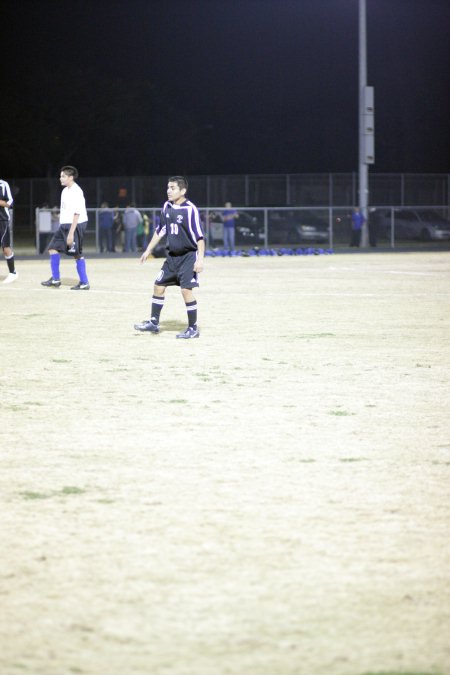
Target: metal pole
(448, 195)
(31, 201)
(363, 167)
(38, 248)
(97, 232)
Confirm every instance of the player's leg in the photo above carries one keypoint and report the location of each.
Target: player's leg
(157, 303)
(83, 284)
(191, 309)
(80, 262)
(56, 246)
(152, 325)
(191, 306)
(226, 238)
(231, 235)
(188, 280)
(9, 257)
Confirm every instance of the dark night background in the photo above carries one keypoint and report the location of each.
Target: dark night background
(149, 87)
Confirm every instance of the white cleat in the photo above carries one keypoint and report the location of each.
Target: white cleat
(12, 276)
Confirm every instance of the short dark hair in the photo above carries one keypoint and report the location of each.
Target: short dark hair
(180, 180)
(70, 171)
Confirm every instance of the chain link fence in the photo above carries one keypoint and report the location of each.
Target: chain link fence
(244, 191)
(267, 228)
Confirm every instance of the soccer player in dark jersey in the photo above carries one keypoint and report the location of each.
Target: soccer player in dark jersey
(180, 223)
(6, 202)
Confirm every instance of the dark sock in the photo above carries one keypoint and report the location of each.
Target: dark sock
(157, 305)
(191, 308)
(11, 266)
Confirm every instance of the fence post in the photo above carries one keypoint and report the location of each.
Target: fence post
(330, 225)
(36, 231)
(392, 228)
(448, 195)
(266, 229)
(208, 190)
(97, 234)
(31, 200)
(207, 227)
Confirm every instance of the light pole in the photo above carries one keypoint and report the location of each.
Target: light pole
(366, 123)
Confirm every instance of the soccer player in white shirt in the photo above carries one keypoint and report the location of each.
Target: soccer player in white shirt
(68, 238)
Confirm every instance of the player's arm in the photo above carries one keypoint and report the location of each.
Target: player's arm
(198, 266)
(7, 203)
(152, 244)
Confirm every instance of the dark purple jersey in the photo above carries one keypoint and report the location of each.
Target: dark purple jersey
(181, 224)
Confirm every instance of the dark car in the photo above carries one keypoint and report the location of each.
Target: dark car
(289, 227)
(249, 228)
(425, 225)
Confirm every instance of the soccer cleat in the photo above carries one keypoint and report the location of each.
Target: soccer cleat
(147, 326)
(55, 283)
(80, 287)
(190, 332)
(12, 276)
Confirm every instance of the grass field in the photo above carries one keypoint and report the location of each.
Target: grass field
(271, 499)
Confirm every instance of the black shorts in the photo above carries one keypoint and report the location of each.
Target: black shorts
(5, 234)
(179, 271)
(59, 240)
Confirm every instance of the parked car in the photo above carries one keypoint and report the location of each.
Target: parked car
(249, 229)
(313, 230)
(297, 227)
(427, 225)
(284, 227)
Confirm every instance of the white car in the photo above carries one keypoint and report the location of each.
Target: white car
(426, 225)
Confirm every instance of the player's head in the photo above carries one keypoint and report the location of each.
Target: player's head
(181, 181)
(176, 189)
(70, 171)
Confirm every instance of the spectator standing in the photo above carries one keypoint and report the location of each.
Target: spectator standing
(117, 228)
(6, 201)
(143, 233)
(229, 217)
(374, 225)
(131, 219)
(358, 221)
(105, 225)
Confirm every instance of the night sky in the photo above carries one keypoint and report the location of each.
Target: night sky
(146, 87)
